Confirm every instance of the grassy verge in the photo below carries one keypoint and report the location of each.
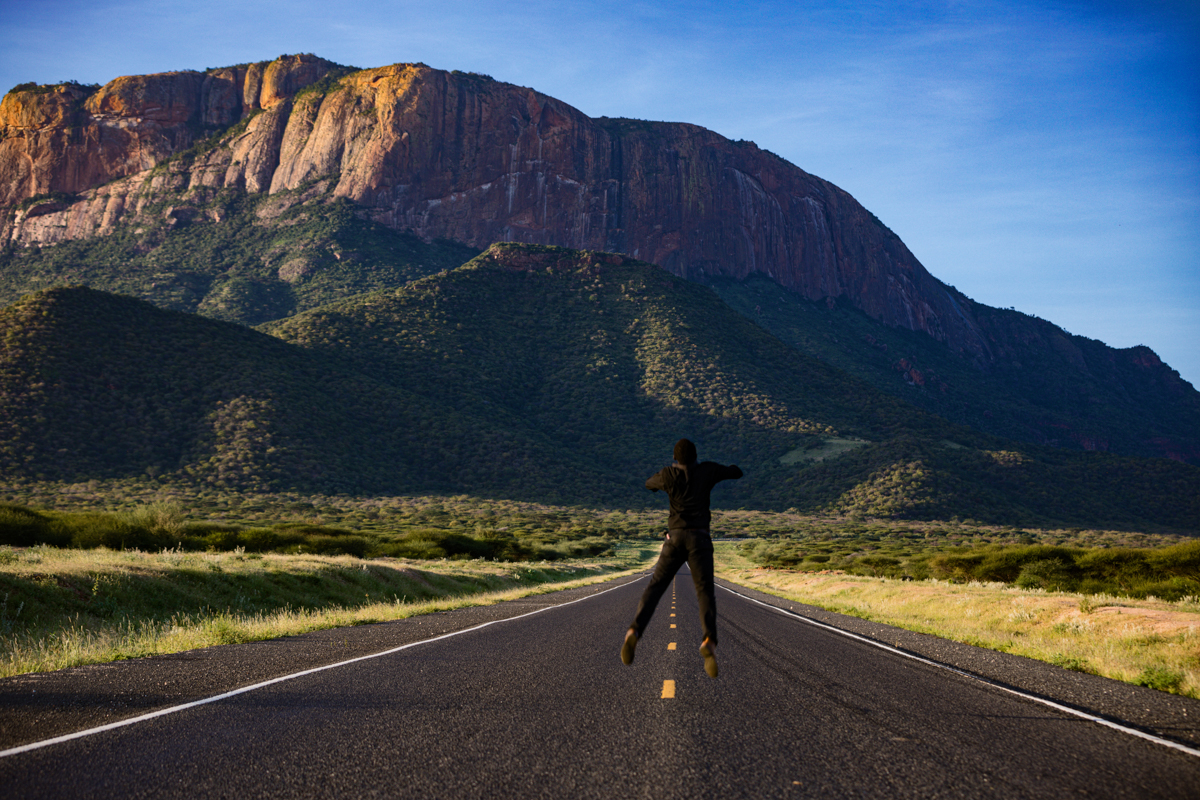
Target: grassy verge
(165, 526)
(63, 608)
(1146, 642)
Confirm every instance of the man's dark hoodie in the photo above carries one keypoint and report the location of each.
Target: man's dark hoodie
(688, 484)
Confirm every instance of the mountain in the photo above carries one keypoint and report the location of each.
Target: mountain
(94, 385)
(458, 156)
(254, 192)
(1046, 386)
(534, 373)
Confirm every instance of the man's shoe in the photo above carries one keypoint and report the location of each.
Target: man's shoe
(709, 651)
(630, 645)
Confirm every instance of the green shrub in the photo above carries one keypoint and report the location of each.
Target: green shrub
(878, 566)
(957, 566)
(115, 532)
(1161, 678)
(1051, 574)
(1180, 559)
(21, 527)
(1073, 663)
(259, 540)
(222, 539)
(1172, 589)
(321, 544)
(1115, 566)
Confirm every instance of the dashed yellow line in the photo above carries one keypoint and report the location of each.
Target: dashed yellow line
(672, 624)
(671, 646)
(668, 690)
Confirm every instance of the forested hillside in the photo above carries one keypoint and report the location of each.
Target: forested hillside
(533, 373)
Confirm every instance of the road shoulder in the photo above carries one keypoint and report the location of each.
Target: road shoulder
(1169, 716)
(42, 705)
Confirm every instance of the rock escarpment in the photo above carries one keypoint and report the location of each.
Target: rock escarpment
(463, 157)
(459, 156)
(69, 139)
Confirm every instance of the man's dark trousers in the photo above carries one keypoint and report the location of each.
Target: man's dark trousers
(693, 545)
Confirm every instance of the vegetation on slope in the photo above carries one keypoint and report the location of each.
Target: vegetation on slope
(530, 373)
(601, 355)
(1057, 389)
(93, 386)
(238, 257)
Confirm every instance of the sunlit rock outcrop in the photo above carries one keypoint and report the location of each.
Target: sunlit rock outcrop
(459, 156)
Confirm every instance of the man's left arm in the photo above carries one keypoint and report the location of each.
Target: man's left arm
(730, 473)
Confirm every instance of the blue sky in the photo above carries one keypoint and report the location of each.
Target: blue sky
(1038, 155)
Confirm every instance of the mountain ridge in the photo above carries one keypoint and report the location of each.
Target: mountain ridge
(567, 385)
(458, 158)
(471, 159)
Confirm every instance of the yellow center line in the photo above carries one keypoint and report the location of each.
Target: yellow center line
(671, 646)
(672, 624)
(672, 615)
(668, 690)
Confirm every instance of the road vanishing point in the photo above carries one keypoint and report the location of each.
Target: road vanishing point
(529, 699)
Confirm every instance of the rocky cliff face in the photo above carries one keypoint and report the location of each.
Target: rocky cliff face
(458, 156)
(67, 139)
(470, 159)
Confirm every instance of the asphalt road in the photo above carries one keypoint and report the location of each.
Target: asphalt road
(541, 706)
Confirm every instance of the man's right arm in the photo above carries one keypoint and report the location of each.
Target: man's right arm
(656, 482)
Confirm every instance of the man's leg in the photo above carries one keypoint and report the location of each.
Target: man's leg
(669, 562)
(700, 562)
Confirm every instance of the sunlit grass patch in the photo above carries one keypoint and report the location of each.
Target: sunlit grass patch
(1148, 642)
(63, 608)
(821, 450)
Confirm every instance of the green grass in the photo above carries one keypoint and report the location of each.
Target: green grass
(61, 608)
(1170, 571)
(1149, 642)
(819, 449)
(1162, 679)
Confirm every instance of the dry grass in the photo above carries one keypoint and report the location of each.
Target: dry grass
(36, 635)
(1148, 642)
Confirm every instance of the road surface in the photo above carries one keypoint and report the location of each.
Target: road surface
(540, 706)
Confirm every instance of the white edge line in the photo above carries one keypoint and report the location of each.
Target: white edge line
(162, 712)
(1066, 709)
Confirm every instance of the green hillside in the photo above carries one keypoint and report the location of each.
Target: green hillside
(237, 257)
(529, 373)
(1047, 386)
(255, 259)
(615, 359)
(94, 385)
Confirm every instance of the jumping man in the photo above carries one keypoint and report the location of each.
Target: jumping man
(688, 484)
